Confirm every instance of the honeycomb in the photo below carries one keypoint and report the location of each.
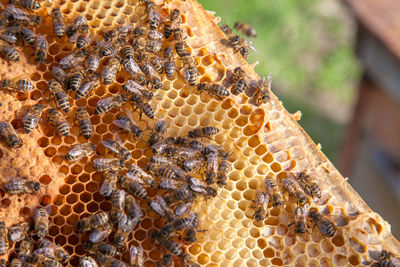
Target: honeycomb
(263, 141)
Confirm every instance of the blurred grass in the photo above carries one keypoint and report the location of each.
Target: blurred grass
(308, 48)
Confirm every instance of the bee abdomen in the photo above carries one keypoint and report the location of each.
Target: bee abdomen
(9, 53)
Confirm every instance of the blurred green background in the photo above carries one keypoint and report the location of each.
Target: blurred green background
(308, 48)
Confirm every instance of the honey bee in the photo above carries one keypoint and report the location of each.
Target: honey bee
(109, 184)
(118, 203)
(300, 219)
(107, 261)
(20, 186)
(158, 130)
(245, 29)
(156, 62)
(41, 223)
(59, 74)
(154, 41)
(52, 251)
(165, 261)
(387, 259)
(169, 63)
(28, 4)
(206, 131)
(127, 52)
(18, 16)
(93, 221)
(20, 85)
(182, 208)
(241, 46)
(214, 88)
(136, 171)
(9, 135)
(85, 125)
(151, 74)
(227, 30)
(41, 48)
(221, 179)
(153, 16)
(58, 121)
(27, 35)
(73, 59)
(100, 233)
(132, 187)
(41, 260)
(125, 226)
(180, 45)
(117, 148)
(58, 22)
(162, 171)
(211, 167)
(173, 19)
(132, 208)
(134, 88)
(134, 70)
(83, 40)
(107, 164)
(91, 82)
(3, 239)
(201, 188)
(8, 36)
(160, 207)
(106, 104)
(190, 70)
(9, 53)
(110, 70)
(127, 123)
(325, 226)
(18, 232)
(309, 185)
(191, 220)
(93, 60)
(295, 190)
(187, 261)
(264, 86)
(261, 206)
(80, 151)
(273, 192)
(60, 97)
(172, 247)
(86, 261)
(238, 78)
(183, 193)
(144, 107)
(136, 258)
(160, 160)
(75, 78)
(121, 31)
(25, 249)
(79, 24)
(14, 263)
(101, 247)
(31, 119)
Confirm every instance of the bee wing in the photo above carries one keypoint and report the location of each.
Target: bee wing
(134, 88)
(168, 184)
(133, 254)
(135, 178)
(99, 234)
(156, 207)
(107, 102)
(251, 45)
(122, 124)
(109, 146)
(76, 151)
(182, 208)
(130, 116)
(106, 188)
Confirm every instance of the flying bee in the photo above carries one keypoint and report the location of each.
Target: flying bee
(241, 46)
(134, 88)
(18, 232)
(325, 226)
(263, 86)
(106, 104)
(31, 119)
(144, 107)
(41, 48)
(80, 151)
(109, 184)
(25, 249)
(117, 202)
(58, 22)
(152, 75)
(187, 261)
(170, 24)
(20, 85)
(8, 133)
(101, 247)
(309, 185)
(9, 53)
(3, 239)
(206, 131)
(75, 78)
(238, 78)
(100, 233)
(59, 95)
(79, 24)
(28, 4)
(160, 207)
(158, 130)
(128, 124)
(180, 45)
(88, 86)
(125, 226)
(134, 70)
(136, 257)
(93, 221)
(18, 186)
(300, 219)
(261, 205)
(169, 63)
(86, 261)
(53, 251)
(73, 59)
(110, 70)
(132, 208)
(214, 88)
(245, 29)
(57, 119)
(8, 36)
(41, 223)
(132, 187)
(107, 164)
(294, 189)
(117, 148)
(59, 74)
(85, 125)
(190, 70)
(273, 192)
